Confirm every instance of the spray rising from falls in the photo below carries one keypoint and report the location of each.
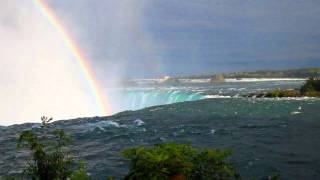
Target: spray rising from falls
(43, 71)
(100, 99)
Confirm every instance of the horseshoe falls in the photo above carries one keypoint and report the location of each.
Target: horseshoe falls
(138, 99)
(152, 93)
(265, 135)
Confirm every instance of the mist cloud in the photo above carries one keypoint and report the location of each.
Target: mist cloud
(38, 75)
(114, 35)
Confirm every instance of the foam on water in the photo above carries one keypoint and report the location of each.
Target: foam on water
(101, 125)
(295, 112)
(139, 122)
(272, 131)
(216, 96)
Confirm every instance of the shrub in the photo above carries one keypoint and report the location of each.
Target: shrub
(283, 93)
(311, 88)
(80, 174)
(8, 178)
(50, 158)
(178, 161)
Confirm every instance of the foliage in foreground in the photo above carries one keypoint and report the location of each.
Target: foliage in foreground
(50, 159)
(178, 161)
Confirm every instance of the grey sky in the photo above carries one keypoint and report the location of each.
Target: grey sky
(157, 37)
(142, 38)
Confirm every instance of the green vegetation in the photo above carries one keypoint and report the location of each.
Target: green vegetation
(50, 157)
(278, 93)
(8, 178)
(311, 88)
(80, 174)
(178, 161)
(282, 93)
(292, 73)
(51, 160)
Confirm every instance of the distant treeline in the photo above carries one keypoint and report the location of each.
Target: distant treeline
(292, 73)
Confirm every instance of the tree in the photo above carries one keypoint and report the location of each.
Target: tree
(311, 87)
(178, 162)
(50, 156)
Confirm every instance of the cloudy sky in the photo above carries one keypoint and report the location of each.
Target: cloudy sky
(157, 37)
(141, 39)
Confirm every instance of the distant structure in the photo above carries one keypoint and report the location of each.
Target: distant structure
(217, 78)
(166, 78)
(170, 81)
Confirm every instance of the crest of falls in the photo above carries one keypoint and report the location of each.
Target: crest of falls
(138, 99)
(148, 93)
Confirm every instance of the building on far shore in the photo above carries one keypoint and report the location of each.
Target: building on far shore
(217, 78)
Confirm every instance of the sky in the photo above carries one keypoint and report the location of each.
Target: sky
(142, 39)
(37, 76)
(146, 38)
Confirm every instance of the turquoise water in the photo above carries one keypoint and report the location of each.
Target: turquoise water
(146, 95)
(265, 135)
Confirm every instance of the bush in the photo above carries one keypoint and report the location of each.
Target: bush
(311, 88)
(80, 174)
(178, 161)
(282, 93)
(50, 158)
(8, 178)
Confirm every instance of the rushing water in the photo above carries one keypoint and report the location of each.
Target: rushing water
(265, 135)
(150, 94)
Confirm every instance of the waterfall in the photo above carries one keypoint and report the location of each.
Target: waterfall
(138, 99)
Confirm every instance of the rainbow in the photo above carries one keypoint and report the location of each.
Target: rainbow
(101, 101)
